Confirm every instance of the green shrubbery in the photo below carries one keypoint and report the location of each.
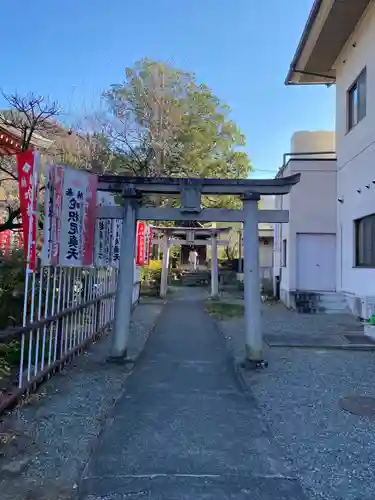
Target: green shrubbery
(12, 284)
(152, 272)
(12, 292)
(151, 276)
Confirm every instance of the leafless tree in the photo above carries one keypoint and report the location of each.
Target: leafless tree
(29, 119)
(30, 115)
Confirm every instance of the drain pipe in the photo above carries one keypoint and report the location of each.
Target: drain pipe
(290, 156)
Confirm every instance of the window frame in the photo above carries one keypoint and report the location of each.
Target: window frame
(364, 242)
(357, 108)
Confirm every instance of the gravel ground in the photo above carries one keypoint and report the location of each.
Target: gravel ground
(332, 451)
(307, 325)
(46, 443)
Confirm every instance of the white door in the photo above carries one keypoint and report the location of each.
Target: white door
(316, 262)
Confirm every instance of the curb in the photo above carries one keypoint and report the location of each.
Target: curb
(330, 347)
(235, 366)
(107, 414)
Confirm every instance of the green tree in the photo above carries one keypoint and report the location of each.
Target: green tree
(164, 123)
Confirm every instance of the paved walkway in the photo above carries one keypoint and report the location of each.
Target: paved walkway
(183, 428)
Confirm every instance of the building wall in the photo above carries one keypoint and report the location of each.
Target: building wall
(305, 141)
(312, 209)
(266, 235)
(311, 203)
(355, 156)
(265, 251)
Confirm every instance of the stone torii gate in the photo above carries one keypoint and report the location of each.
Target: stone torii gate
(190, 191)
(168, 241)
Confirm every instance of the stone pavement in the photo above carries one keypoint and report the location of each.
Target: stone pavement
(183, 428)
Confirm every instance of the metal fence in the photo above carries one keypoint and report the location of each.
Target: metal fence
(64, 310)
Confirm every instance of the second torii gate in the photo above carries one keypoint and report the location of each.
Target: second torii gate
(190, 191)
(167, 241)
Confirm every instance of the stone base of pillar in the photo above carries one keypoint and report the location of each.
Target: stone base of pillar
(120, 360)
(251, 364)
(252, 354)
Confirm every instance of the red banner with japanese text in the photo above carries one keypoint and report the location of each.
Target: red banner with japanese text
(140, 247)
(28, 203)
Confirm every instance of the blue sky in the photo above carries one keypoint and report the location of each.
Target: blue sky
(73, 49)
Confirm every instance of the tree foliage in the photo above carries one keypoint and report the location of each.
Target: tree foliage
(164, 123)
(159, 122)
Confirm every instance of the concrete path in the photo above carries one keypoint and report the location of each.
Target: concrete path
(183, 428)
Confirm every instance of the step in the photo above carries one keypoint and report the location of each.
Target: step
(333, 302)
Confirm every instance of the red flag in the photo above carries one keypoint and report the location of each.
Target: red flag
(5, 242)
(140, 257)
(28, 203)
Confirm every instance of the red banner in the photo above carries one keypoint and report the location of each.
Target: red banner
(18, 239)
(5, 242)
(141, 231)
(28, 204)
(149, 243)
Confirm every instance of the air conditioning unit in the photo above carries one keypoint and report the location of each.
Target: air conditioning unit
(368, 307)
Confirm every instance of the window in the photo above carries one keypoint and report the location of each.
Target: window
(357, 101)
(365, 241)
(283, 254)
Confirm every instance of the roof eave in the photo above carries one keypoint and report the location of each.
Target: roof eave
(305, 34)
(330, 25)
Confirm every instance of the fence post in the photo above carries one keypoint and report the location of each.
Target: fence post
(123, 301)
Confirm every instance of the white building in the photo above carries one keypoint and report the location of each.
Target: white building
(305, 247)
(338, 46)
(266, 238)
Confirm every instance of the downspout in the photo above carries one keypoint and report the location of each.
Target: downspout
(304, 153)
(318, 75)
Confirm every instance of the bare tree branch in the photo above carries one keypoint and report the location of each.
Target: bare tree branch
(27, 117)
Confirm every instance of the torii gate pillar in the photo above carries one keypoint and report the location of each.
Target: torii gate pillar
(214, 267)
(165, 267)
(253, 304)
(123, 301)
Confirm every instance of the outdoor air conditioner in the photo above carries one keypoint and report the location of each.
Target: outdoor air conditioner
(368, 307)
